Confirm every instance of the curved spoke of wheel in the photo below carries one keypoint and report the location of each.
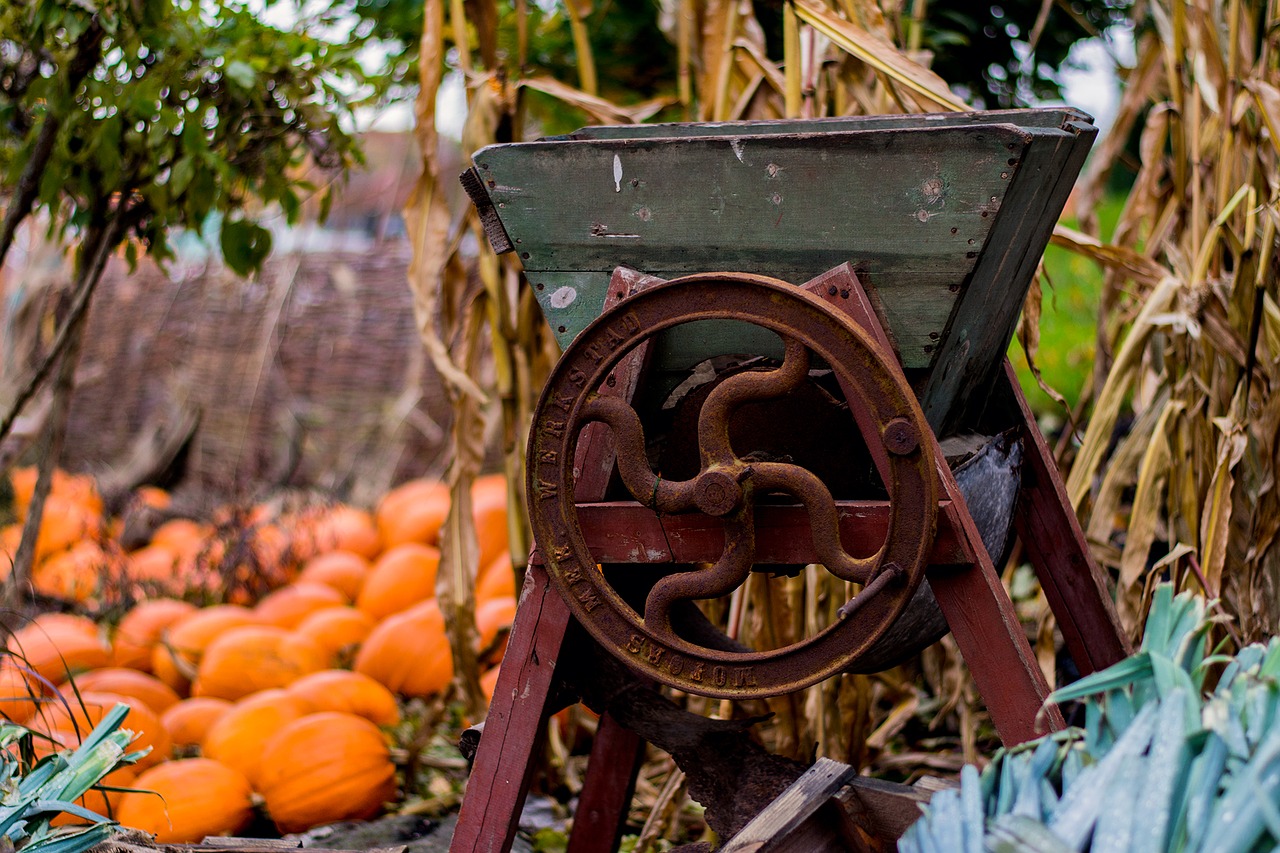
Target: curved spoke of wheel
(824, 522)
(645, 486)
(713, 419)
(728, 573)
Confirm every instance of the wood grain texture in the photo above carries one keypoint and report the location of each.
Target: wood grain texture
(1043, 117)
(504, 762)
(903, 205)
(775, 828)
(627, 532)
(610, 782)
(977, 336)
(977, 606)
(1073, 583)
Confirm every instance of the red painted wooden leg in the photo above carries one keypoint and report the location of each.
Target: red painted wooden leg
(504, 762)
(616, 756)
(1072, 581)
(991, 640)
(986, 628)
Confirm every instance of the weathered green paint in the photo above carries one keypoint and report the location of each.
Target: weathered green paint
(910, 209)
(944, 218)
(987, 314)
(1039, 118)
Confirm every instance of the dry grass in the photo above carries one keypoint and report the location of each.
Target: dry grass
(1176, 469)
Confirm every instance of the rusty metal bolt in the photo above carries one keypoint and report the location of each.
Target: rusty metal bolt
(717, 493)
(900, 437)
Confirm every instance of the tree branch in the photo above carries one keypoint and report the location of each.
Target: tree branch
(88, 51)
(90, 274)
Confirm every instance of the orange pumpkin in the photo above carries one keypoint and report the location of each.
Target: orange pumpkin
(489, 683)
(497, 580)
(339, 631)
(155, 564)
(63, 524)
(76, 573)
(188, 722)
(74, 488)
(153, 497)
(255, 657)
(493, 616)
(239, 736)
(56, 647)
(142, 627)
(399, 579)
(289, 605)
(324, 768)
(10, 536)
(413, 512)
(345, 571)
(342, 528)
(81, 713)
(351, 692)
(174, 660)
(408, 653)
(53, 622)
(198, 797)
(184, 537)
(489, 510)
(20, 693)
(157, 695)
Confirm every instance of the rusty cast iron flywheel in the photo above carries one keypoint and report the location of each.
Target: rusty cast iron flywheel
(728, 487)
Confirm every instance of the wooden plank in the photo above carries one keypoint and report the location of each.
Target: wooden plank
(504, 762)
(607, 789)
(841, 288)
(219, 842)
(232, 844)
(904, 206)
(992, 642)
(774, 830)
(883, 809)
(1049, 117)
(627, 532)
(1073, 583)
(978, 334)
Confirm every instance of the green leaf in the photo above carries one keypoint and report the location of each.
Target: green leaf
(245, 245)
(74, 842)
(1018, 834)
(1126, 673)
(241, 73)
(181, 174)
(1083, 801)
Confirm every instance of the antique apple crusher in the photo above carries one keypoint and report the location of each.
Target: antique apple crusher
(784, 344)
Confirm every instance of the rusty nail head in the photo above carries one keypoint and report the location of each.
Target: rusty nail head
(900, 437)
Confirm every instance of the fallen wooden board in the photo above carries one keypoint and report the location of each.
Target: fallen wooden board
(819, 811)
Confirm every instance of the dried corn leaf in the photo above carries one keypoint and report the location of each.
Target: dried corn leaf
(599, 108)
(880, 55)
(1110, 400)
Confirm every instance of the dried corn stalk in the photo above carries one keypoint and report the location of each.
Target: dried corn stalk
(1180, 455)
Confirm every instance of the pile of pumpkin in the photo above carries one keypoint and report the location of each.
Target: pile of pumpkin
(285, 701)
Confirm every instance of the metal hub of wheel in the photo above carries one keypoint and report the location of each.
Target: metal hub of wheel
(728, 486)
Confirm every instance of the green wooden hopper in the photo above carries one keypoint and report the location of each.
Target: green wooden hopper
(944, 217)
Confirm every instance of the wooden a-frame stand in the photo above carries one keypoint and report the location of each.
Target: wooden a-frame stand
(968, 590)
